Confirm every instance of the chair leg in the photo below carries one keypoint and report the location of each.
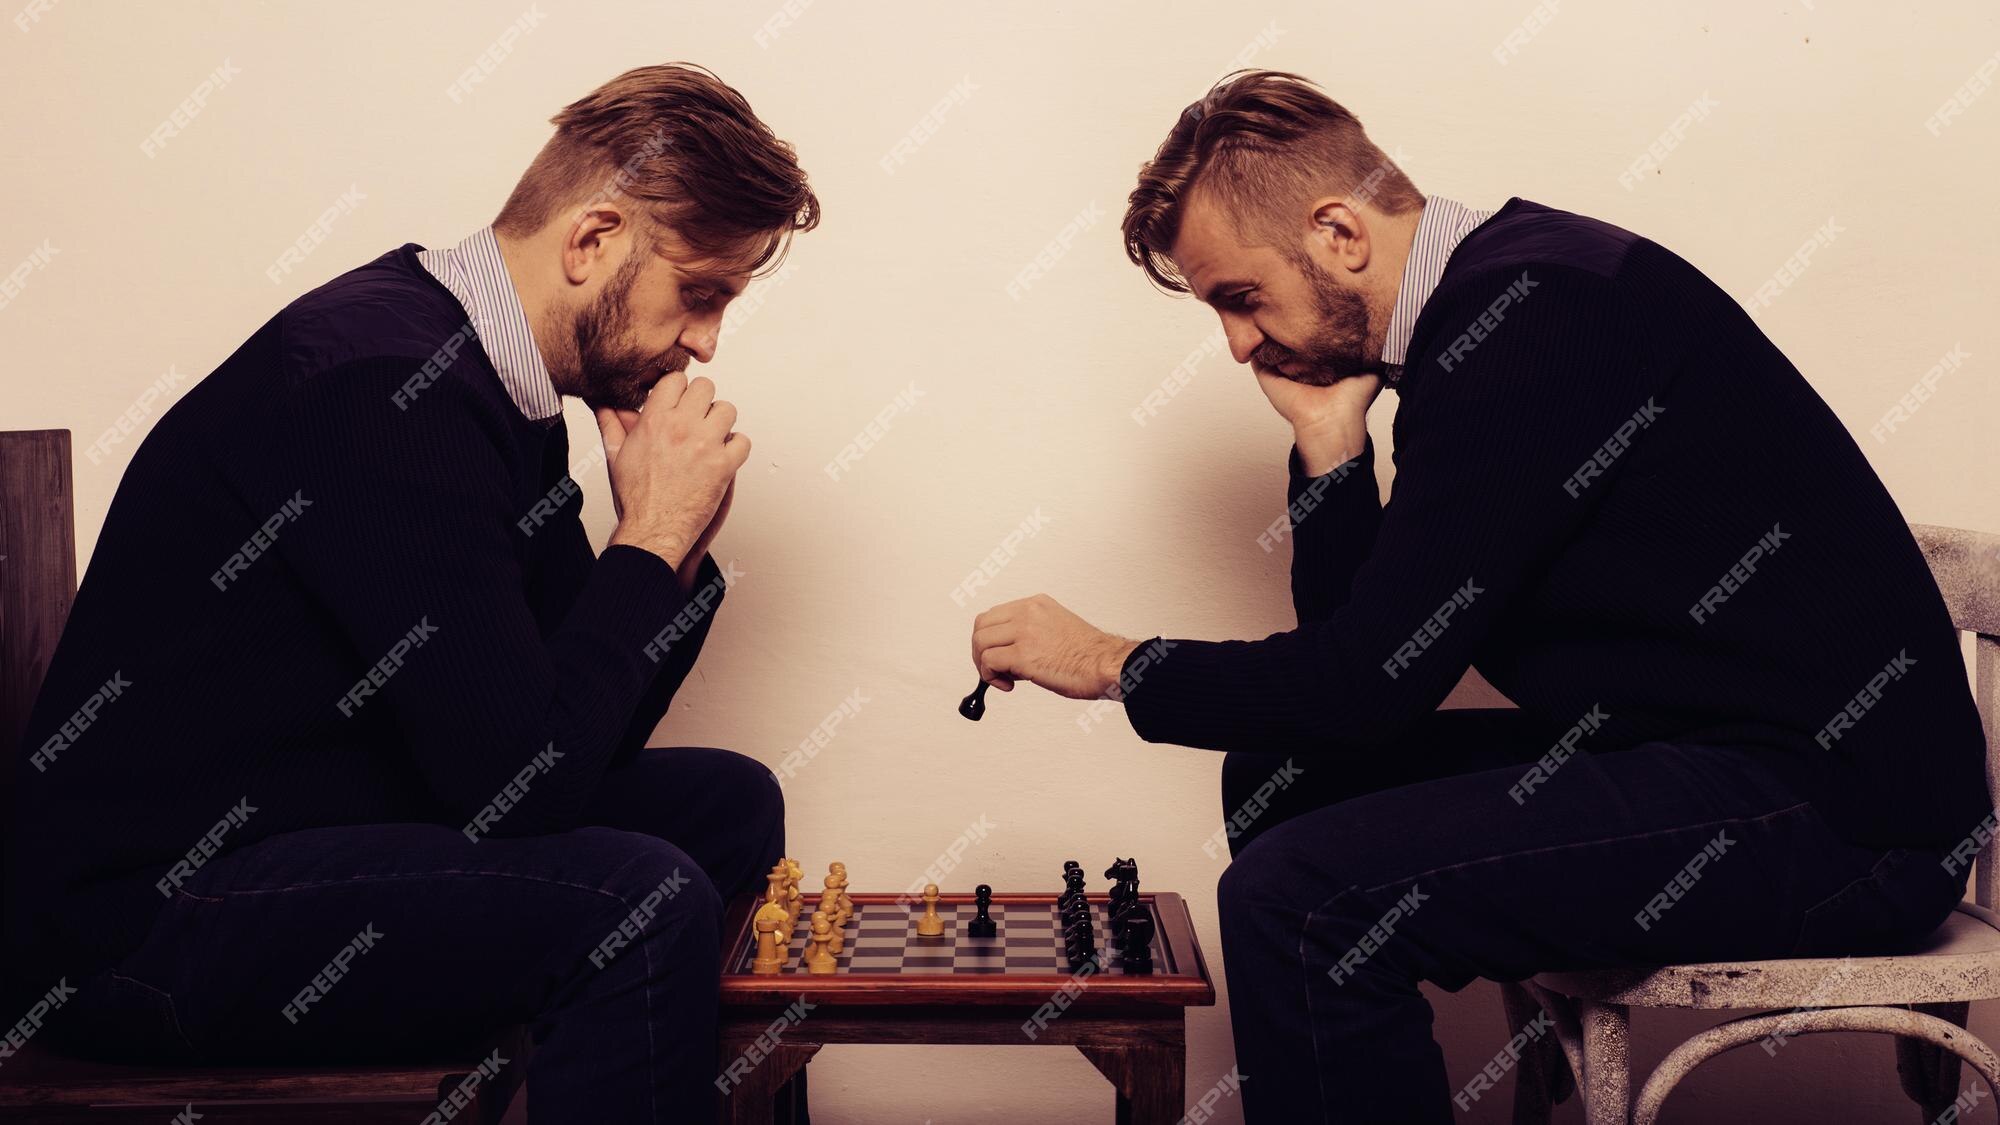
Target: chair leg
(1542, 1079)
(1929, 1072)
(1607, 1064)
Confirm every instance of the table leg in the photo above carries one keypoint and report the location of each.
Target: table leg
(752, 1100)
(1151, 1080)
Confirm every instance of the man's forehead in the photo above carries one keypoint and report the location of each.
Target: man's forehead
(1207, 249)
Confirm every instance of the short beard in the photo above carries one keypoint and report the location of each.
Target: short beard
(604, 369)
(1338, 348)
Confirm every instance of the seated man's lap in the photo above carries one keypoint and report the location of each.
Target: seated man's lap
(389, 941)
(1652, 854)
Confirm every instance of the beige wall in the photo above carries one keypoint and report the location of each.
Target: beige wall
(1013, 407)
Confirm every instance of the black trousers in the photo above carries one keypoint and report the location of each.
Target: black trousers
(406, 941)
(1355, 878)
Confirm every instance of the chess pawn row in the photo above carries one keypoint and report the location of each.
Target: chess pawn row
(821, 958)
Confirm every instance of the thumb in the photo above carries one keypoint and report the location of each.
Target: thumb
(612, 429)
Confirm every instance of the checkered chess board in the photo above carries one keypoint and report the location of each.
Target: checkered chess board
(882, 938)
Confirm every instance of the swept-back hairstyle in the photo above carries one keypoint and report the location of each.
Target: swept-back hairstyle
(688, 147)
(1263, 143)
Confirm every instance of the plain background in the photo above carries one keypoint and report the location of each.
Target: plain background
(1018, 408)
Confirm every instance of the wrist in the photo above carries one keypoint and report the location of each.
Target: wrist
(670, 551)
(1111, 670)
(1327, 443)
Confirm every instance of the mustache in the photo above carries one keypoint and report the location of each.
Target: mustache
(1270, 354)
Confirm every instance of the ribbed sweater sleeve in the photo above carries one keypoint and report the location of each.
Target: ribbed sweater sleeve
(410, 546)
(1333, 519)
(1479, 508)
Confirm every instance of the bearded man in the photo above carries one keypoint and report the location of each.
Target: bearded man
(1744, 729)
(372, 778)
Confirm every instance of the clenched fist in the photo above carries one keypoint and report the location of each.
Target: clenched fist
(672, 468)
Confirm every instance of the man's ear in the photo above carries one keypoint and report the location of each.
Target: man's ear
(1339, 233)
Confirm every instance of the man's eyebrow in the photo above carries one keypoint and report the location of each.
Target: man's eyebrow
(1208, 297)
(720, 284)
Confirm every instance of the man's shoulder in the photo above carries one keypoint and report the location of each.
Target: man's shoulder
(386, 308)
(1523, 235)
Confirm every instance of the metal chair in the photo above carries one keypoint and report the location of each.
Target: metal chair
(41, 1087)
(1921, 997)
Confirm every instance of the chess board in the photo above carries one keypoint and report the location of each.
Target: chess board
(882, 938)
(883, 960)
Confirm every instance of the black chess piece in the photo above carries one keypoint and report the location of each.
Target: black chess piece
(1135, 949)
(1123, 871)
(982, 926)
(1070, 865)
(973, 706)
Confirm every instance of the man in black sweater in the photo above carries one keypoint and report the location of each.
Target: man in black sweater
(1744, 729)
(343, 750)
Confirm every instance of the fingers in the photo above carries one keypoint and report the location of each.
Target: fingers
(666, 393)
(611, 428)
(722, 417)
(737, 446)
(990, 637)
(997, 666)
(629, 419)
(700, 392)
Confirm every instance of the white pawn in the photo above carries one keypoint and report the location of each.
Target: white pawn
(930, 925)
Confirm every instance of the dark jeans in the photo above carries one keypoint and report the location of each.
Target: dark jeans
(1361, 876)
(603, 939)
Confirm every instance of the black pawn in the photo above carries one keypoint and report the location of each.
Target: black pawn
(973, 706)
(1135, 950)
(982, 926)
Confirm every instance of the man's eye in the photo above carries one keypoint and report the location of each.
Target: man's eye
(1240, 301)
(697, 298)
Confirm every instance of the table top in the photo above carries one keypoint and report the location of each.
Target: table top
(884, 961)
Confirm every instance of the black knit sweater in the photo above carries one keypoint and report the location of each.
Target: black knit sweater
(347, 583)
(1612, 492)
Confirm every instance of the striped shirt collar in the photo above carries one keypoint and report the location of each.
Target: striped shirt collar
(1444, 224)
(477, 275)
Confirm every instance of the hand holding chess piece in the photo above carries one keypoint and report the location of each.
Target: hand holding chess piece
(930, 925)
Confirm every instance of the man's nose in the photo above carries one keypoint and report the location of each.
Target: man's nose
(1243, 337)
(700, 339)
